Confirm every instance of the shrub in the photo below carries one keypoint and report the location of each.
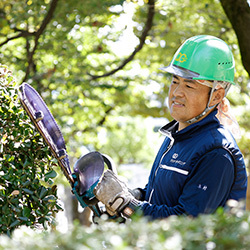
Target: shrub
(27, 194)
(217, 231)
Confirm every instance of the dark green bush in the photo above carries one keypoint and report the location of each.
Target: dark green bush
(27, 194)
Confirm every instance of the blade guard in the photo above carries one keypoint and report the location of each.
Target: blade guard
(46, 125)
(87, 173)
(88, 169)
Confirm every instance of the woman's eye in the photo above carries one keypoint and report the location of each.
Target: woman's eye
(190, 87)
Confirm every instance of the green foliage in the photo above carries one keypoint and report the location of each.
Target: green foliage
(27, 194)
(128, 143)
(218, 231)
(93, 38)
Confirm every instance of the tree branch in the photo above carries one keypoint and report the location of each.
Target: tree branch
(23, 33)
(97, 124)
(148, 26)
(45, 22)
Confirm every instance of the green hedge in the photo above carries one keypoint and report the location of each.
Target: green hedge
(27, 194)
(218, 231)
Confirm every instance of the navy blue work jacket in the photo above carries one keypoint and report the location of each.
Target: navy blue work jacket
(195, 171)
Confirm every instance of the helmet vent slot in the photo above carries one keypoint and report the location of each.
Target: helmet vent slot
(222, 63)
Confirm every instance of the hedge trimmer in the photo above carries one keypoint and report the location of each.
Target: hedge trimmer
(87, 170)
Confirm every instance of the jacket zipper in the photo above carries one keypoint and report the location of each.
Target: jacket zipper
(167, 150)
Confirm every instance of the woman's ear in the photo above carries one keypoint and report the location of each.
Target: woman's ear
(217, 97)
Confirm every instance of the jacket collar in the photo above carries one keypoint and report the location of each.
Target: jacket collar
(171, 129)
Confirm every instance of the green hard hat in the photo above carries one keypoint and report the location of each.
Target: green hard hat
(203, 57)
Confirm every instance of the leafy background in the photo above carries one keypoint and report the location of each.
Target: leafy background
(96, 64)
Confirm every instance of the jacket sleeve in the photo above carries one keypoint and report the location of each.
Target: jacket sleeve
(207, 187)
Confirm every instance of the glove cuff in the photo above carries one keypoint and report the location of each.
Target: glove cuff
(131, 207)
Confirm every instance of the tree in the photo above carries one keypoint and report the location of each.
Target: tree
(65, 50)
(238, 13)
(68, 52)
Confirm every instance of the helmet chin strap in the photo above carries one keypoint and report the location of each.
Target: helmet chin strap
(196, 118)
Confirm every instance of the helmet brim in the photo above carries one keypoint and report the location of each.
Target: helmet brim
(179, 71)
(187, 74)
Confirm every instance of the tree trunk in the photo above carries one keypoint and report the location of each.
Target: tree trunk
(82, 217)
(248, 197)
(238, 13)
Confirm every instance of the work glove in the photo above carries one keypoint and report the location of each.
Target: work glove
(137, 193)
(115, 195)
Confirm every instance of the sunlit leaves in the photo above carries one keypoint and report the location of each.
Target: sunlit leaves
(92, 38)
(25, 163)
